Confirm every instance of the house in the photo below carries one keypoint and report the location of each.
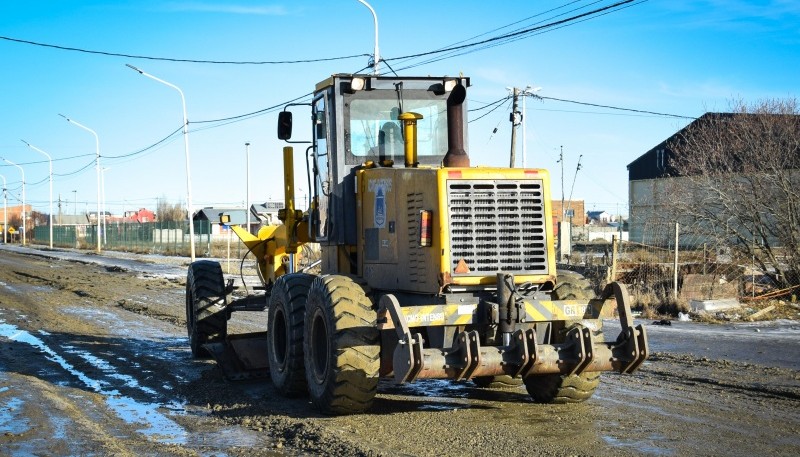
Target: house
(653, 181)
(15, 212)
(573, 211)
(599, 217)
(268, 212)
(649, 177)
(238, 216)
(141, 216)
(71, 219)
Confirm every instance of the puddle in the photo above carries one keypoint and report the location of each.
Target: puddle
(154, 424)
(10, 422)
(109, 370)
(640, 446)
(447, 393)
(21, 288)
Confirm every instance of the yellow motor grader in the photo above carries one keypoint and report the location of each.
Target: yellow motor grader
(430, 267)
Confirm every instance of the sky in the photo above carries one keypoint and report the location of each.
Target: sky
(662, 62)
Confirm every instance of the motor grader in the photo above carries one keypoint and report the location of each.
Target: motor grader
(430, 267)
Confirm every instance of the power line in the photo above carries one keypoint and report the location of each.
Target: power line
(617, 108)
(170, 59)
(506, 26)
(488, 112)
(511, 35)
(501, 100)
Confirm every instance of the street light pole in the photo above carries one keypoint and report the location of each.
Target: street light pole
(75, 205)
(527, 92)
(5, 211)
(24, 228)
(50, 160)
(377, 56)
(97, 166)
(186, 147)
(247, 204)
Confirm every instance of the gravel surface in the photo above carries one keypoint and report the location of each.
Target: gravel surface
(94, 360)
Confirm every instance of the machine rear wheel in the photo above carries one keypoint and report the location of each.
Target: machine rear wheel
(556, 388)
(497, 382)
(572, 286)
(287, 306)
(206, 316)
(342, 352)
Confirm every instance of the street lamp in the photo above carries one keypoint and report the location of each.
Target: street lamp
(528, 92)
(377, 56)
(75, 205)
(50, 159)
(5, 211)
(24, 229)
(186, 147)
(97, 166)
(247, 204)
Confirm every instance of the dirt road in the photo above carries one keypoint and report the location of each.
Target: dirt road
(94, 360)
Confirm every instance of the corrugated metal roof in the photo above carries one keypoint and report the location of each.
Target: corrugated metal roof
(238, 215)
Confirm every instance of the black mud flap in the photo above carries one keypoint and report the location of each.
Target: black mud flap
(242, 357)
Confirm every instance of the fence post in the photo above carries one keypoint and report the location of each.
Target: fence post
(614, 247)
(208, 237)
(675, 265)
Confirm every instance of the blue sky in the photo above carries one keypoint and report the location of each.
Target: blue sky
(674, 57)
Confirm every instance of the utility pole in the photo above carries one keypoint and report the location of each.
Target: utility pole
(247, 180)
(561, 161)
(515, 121)
(573, 185)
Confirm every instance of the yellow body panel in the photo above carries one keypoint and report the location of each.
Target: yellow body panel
(458, 314)
(495, 173)
(270, 247)
(388, 205)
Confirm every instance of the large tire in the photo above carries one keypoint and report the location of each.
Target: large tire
(556, 388)
(206, 313)
(572, 286)
(497, 382)
(287, 307)
(341, 346)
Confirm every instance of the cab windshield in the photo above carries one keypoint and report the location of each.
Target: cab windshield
(375, 133)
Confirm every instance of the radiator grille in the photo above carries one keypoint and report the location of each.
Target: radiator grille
(497, 225)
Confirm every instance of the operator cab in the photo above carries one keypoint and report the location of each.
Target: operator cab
(356, 123)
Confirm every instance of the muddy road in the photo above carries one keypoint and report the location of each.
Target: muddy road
(94, 360)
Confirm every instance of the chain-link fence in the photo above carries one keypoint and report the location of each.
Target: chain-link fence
(671, 268)
(169, 238)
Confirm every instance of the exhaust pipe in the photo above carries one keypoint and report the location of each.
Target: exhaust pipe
(456, 155)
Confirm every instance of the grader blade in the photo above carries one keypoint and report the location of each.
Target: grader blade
(242, 357)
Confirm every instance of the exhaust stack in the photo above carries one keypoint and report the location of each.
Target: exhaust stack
(456, 154)
(410, 134)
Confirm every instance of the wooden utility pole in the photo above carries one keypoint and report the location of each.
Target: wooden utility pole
(515, 121)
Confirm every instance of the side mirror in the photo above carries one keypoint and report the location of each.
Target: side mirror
(284, 125)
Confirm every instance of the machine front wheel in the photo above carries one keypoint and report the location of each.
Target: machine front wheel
(285, 333)
(206, 316)
(342, 352)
